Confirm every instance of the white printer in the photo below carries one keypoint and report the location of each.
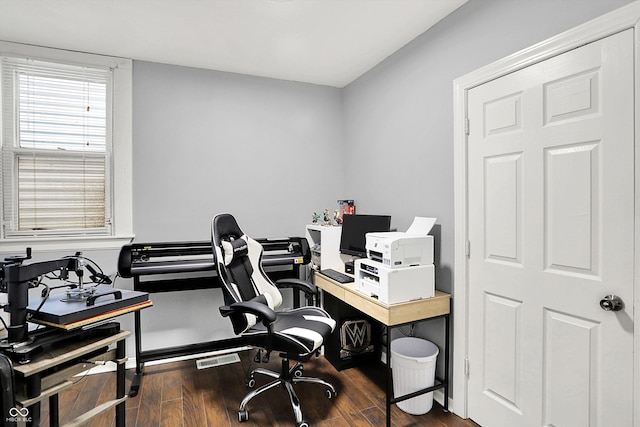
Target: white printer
(399, 266)
(396, 250)
(394, 285)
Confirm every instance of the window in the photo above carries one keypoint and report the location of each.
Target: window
(55, 155)
(61, 145)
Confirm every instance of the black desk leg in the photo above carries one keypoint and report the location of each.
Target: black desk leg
(389, 377)
(120, 407)
(135, 383)
(34, 388)
(33, 419)
(447, 321)
(54, 413)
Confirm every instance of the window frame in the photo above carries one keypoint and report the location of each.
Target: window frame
(119, 168)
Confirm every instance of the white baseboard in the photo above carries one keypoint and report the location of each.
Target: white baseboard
(131, 362)
(438, 396)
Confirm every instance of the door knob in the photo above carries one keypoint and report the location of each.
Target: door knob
(611, 303)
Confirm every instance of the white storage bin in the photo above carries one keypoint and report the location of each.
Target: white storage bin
(413, 361)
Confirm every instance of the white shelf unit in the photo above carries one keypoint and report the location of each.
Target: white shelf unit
(324, 241)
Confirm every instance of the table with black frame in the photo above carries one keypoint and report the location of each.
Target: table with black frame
(395, 316)
(50, 372)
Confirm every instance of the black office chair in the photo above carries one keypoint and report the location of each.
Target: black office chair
(251, 298)
(7, 389)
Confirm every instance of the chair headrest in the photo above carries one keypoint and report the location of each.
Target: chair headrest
(224, 227)
(233, 250)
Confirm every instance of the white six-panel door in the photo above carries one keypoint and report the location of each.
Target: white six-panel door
(551, 232)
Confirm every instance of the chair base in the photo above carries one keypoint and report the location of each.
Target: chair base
(285, 379)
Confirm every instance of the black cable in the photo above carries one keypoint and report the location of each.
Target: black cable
(45, 297)
(113, 284)
(104, 279)
(247, 370)
(411, 330)
(86, 373)
(97, 274)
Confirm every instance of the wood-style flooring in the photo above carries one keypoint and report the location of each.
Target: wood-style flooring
(178, 394)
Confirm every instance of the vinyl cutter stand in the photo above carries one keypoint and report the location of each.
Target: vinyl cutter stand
(184, 266)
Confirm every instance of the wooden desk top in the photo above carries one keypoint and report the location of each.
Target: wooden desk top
(388, 314)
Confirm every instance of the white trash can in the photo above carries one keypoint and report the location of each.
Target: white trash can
(413, 362)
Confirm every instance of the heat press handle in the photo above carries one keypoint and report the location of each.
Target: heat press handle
(92, 299)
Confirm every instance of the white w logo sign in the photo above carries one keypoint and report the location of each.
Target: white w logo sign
(356, 335)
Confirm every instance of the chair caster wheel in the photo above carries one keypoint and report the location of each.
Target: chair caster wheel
(250, 382)
(243, 416)
(330, 393)
(298, 372)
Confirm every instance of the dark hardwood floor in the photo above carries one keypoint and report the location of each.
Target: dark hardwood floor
(178, 394)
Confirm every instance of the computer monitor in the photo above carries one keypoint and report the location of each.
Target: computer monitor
(354, 228)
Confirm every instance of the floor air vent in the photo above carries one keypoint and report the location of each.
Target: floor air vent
(212, 362)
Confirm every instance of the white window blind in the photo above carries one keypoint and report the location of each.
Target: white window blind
(55, 149)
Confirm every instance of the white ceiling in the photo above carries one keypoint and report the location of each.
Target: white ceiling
(327, 42)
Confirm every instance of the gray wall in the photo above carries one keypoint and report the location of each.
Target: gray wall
(268, 151)
(206, 142)
(398, 117)
(272, 152)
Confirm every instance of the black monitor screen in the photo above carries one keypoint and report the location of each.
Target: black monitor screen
(354, 228)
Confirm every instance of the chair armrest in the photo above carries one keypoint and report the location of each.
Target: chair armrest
(254, 306)
(307, 287)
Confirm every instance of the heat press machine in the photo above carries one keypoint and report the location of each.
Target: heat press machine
(78, 309)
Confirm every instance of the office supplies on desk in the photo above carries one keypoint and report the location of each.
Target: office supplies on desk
(403, 249)
(354, 229)
(399, 265)
(394, 285)
(337, 276)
